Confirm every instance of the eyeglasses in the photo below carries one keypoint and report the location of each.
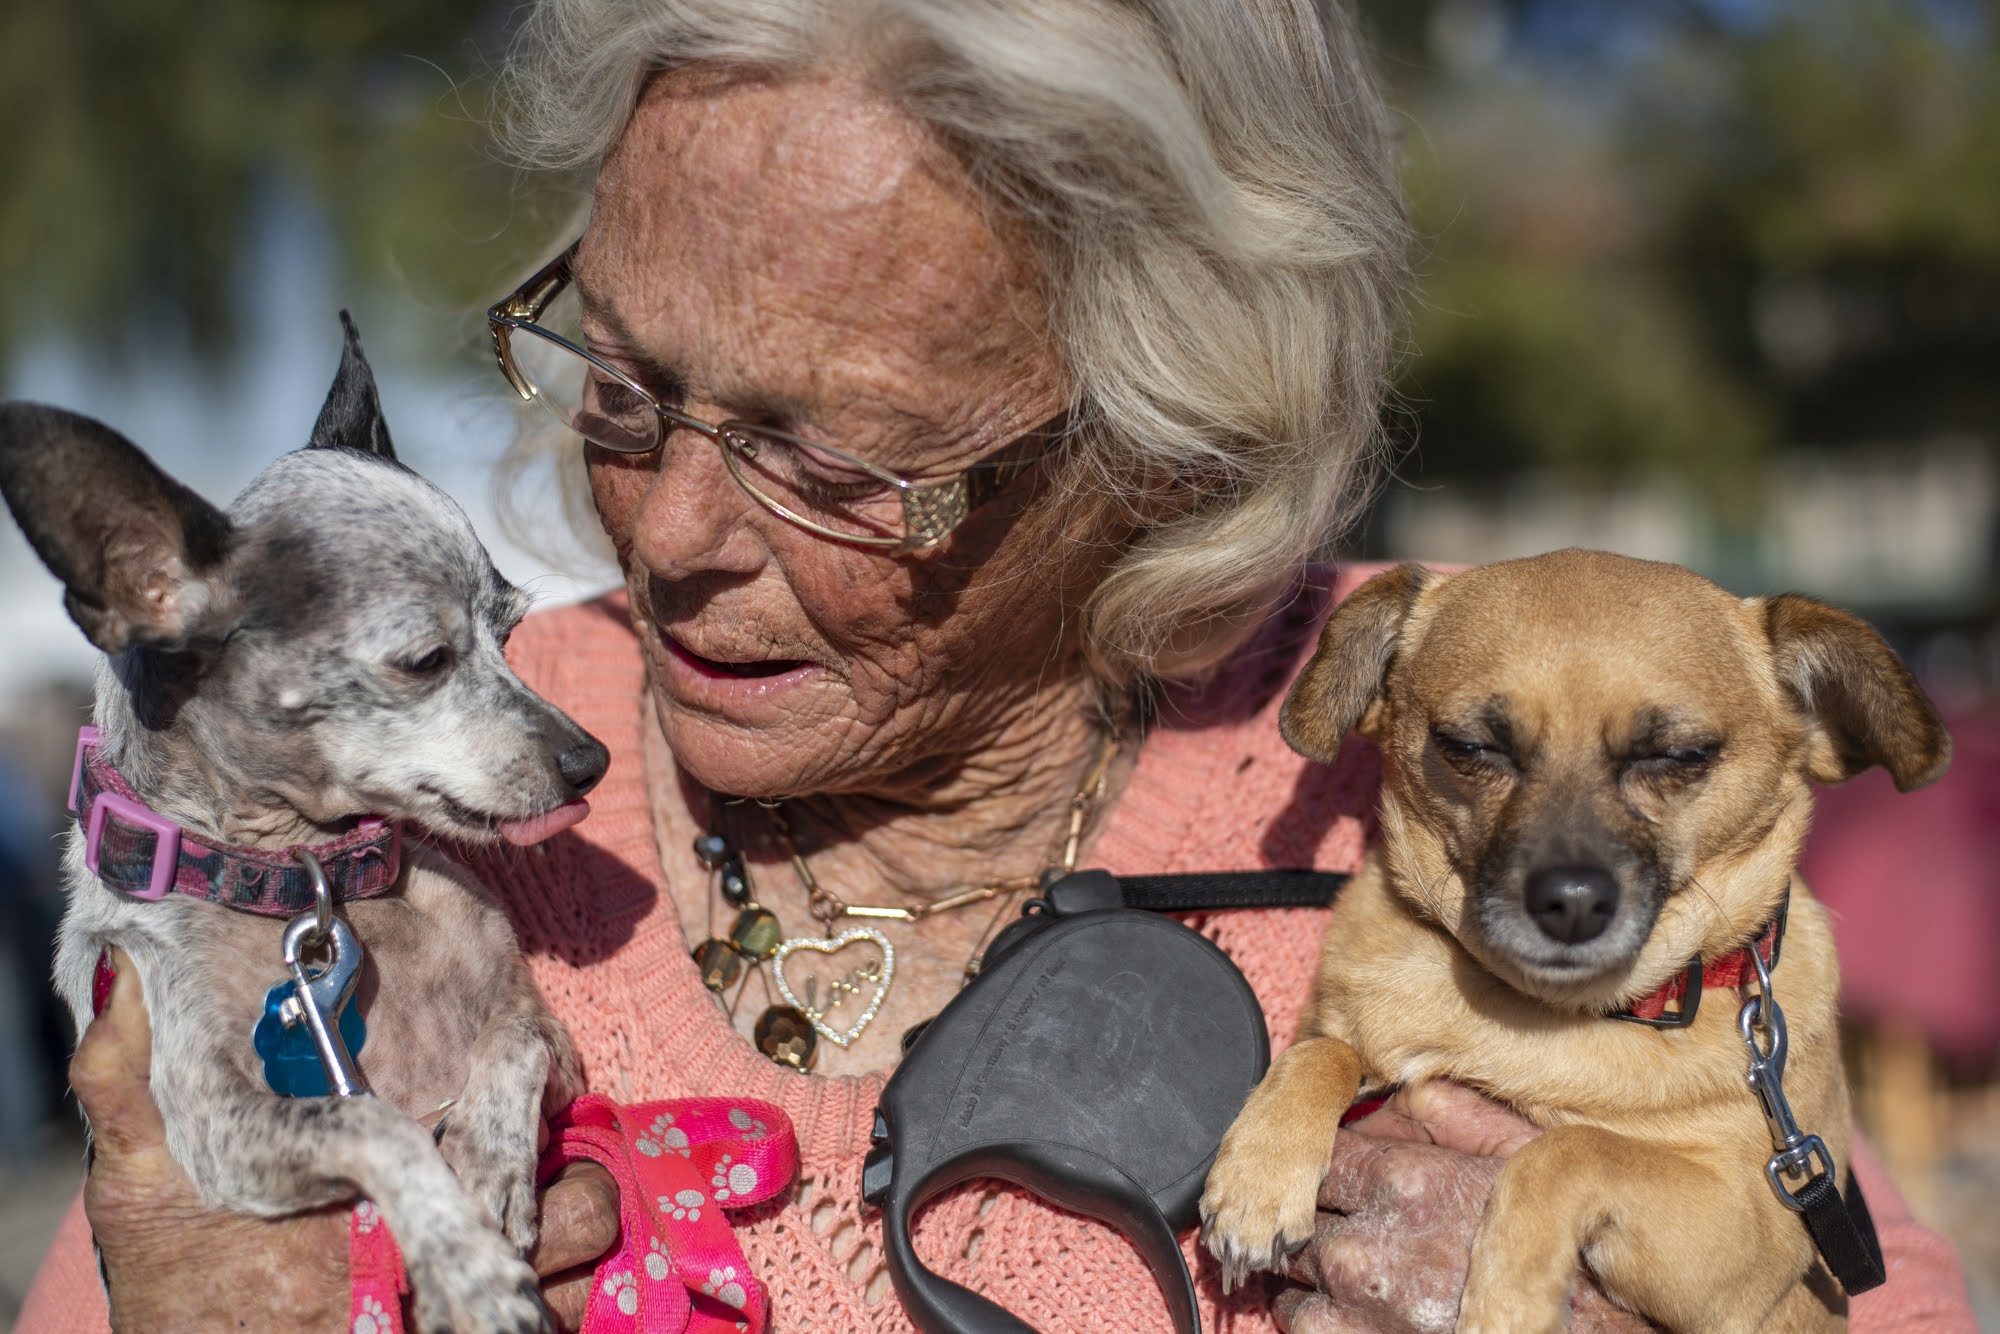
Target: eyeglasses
(820, 489)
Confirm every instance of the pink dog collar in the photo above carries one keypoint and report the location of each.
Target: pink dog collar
(142, 854)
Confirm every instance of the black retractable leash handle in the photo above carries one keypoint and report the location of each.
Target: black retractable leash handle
(1096, 1060)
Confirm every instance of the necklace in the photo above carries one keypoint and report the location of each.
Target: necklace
(793, 1024)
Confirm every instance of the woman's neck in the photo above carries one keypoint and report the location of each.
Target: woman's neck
(1000, 815)
(1003, 815)
(1003, 819)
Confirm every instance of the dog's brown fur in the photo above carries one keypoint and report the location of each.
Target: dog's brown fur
(1582, 707)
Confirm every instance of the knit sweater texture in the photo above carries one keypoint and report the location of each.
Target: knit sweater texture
(1213, 789)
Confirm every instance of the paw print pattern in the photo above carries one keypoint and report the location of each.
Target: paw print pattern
(722, 1286)
(366, 1216)
(732, 1178)
(657, 1264)
(747, 1125)
(623, 1290)
(684, 1204)
(370, 1319)
(663, 1136)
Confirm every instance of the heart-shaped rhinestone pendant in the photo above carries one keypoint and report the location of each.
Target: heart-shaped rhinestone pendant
(832, 945)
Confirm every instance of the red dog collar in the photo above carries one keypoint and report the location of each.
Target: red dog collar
(1733, 969)
(142, 854)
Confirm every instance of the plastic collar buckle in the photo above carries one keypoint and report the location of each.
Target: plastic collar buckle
(166, 843)
(86, 737)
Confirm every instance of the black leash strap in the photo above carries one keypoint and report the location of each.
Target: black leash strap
(1841, 1229)
(1084, 891)
(1844, 1232)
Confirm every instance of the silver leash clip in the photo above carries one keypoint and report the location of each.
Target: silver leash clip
(318, 996)
(1795, 1149)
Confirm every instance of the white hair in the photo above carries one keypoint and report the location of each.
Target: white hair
(1210, 188)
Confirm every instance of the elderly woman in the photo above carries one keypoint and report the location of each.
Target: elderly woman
(966, 391)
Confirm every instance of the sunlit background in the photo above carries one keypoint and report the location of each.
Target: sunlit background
(1713, 281)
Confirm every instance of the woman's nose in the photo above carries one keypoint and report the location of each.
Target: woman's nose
(692, 517)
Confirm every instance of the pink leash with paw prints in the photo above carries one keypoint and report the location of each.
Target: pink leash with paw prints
(676, 1266)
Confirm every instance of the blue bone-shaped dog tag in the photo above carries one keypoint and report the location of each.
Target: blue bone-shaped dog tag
(291, 1063)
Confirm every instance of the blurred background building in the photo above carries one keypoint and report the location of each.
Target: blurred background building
(1712, 281)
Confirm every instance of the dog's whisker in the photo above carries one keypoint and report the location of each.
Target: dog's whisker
(1426, 895)
(1714, 905)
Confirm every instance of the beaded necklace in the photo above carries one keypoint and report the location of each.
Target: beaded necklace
(798, 1018)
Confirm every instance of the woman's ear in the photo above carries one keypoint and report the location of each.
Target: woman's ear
(1339, 687)
(1863, 705)
(135, 550)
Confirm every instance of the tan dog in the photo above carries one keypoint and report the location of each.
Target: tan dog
(1596, 769)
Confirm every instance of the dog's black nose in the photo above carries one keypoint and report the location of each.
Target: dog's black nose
(583, 764)
(1572, 904)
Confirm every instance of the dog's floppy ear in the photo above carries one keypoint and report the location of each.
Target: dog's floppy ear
(1865, 706)
(1333, 694)
(131, 545)
(352, 416)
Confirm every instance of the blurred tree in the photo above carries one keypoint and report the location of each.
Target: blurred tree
(1660, 234)
(1829, 205)
(148, 134)
(1673, 234)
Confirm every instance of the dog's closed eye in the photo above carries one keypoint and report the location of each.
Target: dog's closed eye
(1700, 753)
(430, 662)
(1467, 753)
(1673, 765)
(1667, 743)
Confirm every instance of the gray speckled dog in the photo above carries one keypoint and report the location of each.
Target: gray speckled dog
(328, 650)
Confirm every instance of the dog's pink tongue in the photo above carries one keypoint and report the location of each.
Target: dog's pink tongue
(538, 827)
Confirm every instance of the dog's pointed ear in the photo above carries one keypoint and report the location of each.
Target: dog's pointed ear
(132, 546)
(1864, 706)
(352, 416)
(1339, 687)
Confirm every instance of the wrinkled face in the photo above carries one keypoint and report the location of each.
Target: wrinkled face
(796, 254)
(1597, 772)
(363, 670)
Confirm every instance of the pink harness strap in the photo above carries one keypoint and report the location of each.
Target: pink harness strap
(374, 1273)
(676, 1267)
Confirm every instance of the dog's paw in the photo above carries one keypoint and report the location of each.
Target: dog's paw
(1257, 1208)
(1509, 1287)
(1509, 1318)
(498, 1172)
(477, 1285)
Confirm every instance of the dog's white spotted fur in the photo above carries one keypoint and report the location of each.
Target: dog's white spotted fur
(331, 647)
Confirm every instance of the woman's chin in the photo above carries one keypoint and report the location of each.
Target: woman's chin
(747, 751)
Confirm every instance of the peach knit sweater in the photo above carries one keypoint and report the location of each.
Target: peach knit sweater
(1213, 788)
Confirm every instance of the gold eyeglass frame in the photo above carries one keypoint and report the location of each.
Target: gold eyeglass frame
(931, 510)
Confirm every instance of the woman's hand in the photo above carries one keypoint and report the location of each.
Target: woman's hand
(172, 1264)
(1398, 1210)
(579, 1223)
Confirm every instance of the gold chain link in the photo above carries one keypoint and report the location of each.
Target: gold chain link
(827, 907)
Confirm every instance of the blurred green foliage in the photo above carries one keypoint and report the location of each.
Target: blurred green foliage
(1659, 235)
(145, 136)
(1675, 240)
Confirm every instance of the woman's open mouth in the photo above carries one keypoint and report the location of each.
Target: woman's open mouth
(750, 669)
